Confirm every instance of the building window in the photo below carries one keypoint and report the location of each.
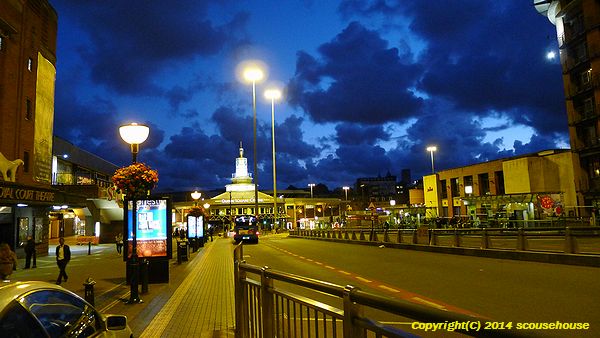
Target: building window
(443, 190)
(586, 77)
(454, 187)
(484, 184)
(28, 110)
(29, 64)
(26, 162)
(468, 181)
(499, 182)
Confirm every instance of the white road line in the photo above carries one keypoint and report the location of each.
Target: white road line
(363, 279)
(426, 302)
(344, 272)
(387, 288)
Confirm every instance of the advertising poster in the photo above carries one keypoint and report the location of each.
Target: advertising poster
(153, 222)
(195, 226)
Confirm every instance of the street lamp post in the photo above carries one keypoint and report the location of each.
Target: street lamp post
(346, 188)
(311, 185)
(134, 134)
(253, 73)
(431, 150)
(273, 94)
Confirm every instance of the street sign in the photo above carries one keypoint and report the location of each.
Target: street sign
(371, 206)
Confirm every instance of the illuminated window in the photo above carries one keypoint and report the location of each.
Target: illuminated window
(1, 41)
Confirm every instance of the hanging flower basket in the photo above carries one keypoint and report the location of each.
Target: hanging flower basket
(136, 180)
(196, 212)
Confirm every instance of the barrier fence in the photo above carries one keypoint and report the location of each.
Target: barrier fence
(264, 309)
(569, 240)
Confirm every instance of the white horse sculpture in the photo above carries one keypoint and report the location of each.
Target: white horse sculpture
(9, 168)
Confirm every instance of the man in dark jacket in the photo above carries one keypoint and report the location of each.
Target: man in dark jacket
(63, 256)
(30, 252)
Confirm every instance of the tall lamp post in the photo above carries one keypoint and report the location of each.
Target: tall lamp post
(346, 188)
(273, 94)
(431, 150)
(311, 185)
(134, 134)
(253, 73)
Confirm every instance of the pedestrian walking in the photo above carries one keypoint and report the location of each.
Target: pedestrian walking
(119, 243)
(63, 256)
(8, 261)
(30, 252)
(210, 232)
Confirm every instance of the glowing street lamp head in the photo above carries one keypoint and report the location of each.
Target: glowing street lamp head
(273, 94)
(251, 71)
(551, 55)
(196, 195)
(431, 148)
(253, 74)
(134, 133)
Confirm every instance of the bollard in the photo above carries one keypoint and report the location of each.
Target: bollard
(485, 240)
(89, 248)
(144, 277)
(571, 246)
(89, 290)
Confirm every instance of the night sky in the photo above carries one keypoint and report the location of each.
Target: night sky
(368, 85)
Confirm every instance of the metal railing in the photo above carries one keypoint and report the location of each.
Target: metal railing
(569, 240)
(263, 310)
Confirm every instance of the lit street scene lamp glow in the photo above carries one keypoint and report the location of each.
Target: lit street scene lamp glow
(311, 185)
(346, 191)
(253, 72)
(273, 94)
(134, 134)
(432, 149)
(196, 196)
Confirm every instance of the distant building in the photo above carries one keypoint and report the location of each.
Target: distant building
(579, 42)
(294, 208)
(533, 186)
(381, 190)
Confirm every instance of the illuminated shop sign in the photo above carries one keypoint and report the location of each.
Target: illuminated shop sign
(21, 194)
(240, 200)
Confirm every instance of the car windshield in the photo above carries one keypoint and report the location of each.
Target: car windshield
(62, 314)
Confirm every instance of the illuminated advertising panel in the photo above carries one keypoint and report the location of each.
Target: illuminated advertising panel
(195, 226)
(152, 231)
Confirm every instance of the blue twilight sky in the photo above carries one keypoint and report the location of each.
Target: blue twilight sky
(368, 85)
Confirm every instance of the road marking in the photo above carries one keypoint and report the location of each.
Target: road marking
(381, 286)
(344, 272)
(363, 279)
(308, 259)
(329, 267)
(318, 263)
(426, 302)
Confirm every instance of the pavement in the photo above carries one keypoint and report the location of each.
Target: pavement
(197, 301)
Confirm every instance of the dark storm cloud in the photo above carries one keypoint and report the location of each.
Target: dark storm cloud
(132, 42)
(492, 59)
(348, 133)
(479, 59)
(290, 140)
(357, 78)
(351, 162)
